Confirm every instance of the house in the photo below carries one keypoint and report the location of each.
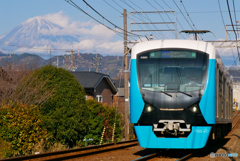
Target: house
(97, 85)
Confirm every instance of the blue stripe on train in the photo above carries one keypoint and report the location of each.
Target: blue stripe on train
(207, 103)
(195, 140)
(136, 101)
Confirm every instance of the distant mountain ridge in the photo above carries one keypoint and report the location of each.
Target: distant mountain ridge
(31, 32)
(110, 65)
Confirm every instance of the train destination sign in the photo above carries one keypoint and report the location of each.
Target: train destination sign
(172, 54)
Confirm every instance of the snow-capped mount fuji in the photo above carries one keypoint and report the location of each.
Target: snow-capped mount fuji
(30, 32)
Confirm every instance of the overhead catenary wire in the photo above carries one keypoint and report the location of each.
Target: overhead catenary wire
(222, 16)
(233, 28)
(147, 18)
(120, 13)
(234, 59)
(165, 4)
(190, 18)
(141, 19)
(170, 18)
(162, 35)
(128, 13)
(235, 14)
(107, 19)
(160, 16)
(77, 7)
(157, 34)
(183, 15)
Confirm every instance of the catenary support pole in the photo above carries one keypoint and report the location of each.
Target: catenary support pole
(126, 108)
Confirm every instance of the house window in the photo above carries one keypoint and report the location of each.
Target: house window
(99, 98)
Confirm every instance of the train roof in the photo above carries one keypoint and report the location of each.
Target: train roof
(201, 46)
(174, 43)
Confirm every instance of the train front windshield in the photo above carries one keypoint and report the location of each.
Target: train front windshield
(172, 70)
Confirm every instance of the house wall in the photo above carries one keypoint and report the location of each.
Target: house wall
(104, 89)
(89, 96)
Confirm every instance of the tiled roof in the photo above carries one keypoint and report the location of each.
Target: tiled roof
(91, 79)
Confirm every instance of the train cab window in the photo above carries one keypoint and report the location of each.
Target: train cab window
(172, 70)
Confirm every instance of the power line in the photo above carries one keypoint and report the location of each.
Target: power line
(234, 59)
(120, 12)
(231, 20)
(160, 16)
(163, 2)
(112, 6)
(106, 18)
(158, 34)
(162, 35)
(190, 17)
(233, 27)
(235, 14)
(137, 17)
(170, 19)
(77, 7)
(222, 15)
(183, 15)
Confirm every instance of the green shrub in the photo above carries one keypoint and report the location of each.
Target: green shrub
(62, 102)
(102, 116)
(21, 127)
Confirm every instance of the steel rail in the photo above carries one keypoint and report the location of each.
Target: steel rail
(35, 156)
(149, 156)
(236, 121)
(186, 156)
(145, 157)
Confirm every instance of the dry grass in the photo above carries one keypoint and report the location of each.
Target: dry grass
(43, 147)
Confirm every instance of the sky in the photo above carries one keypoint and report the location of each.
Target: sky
(204, 14)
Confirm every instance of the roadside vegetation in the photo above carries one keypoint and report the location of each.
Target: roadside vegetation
(45, 110)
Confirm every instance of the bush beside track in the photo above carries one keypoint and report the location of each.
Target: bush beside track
(64, 116)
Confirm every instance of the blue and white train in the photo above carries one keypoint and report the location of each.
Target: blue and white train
(180, 94)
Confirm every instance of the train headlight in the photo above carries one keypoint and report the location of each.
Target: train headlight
(194, 109)
(148, 108)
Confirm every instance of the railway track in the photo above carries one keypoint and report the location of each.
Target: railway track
(76, 153)
(184, 157)
(236, 119)
(146, 157)
(106, 148)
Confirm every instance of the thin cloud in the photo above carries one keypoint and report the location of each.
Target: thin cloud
(91, 36)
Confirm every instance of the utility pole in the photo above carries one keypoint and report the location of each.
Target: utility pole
(126, 108)
(22, 49)
(71, 60)
(50, 55)
(57, 62)
(97, 63)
